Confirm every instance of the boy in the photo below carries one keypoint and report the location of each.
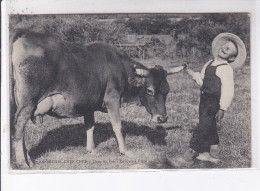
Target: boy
(217, 91)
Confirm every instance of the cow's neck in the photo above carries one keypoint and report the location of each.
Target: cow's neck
(132, 94)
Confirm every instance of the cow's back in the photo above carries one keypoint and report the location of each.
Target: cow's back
(115, 66)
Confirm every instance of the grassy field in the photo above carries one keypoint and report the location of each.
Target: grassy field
(60, 143)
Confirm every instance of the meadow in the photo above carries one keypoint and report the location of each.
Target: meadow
(59, 144)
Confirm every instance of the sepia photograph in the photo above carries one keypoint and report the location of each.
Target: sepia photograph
(130, 91)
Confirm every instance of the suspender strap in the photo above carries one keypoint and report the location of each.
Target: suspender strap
(221, 65)
(211, 62)
(217, 65)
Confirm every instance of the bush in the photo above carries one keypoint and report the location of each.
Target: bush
(191, 41)
(200, 33)
(73, 28)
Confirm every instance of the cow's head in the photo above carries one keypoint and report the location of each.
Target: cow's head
(153, 90)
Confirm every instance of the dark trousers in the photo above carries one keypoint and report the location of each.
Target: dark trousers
(205, 134)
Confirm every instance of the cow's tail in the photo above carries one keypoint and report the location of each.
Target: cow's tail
(14, 35)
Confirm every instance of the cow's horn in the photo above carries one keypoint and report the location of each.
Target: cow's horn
(174, 70)
(141, 72)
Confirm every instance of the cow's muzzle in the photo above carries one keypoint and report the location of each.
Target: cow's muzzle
(159, 118)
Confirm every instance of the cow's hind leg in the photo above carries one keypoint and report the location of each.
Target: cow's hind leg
(89, 126)
(20, 153)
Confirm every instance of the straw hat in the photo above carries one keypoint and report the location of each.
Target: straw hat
(223, 38)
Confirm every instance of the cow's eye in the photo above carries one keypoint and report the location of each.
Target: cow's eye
(150, 91)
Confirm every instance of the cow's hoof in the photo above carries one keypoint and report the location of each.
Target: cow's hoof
(92, 151)
(29, 161)
(22, 166)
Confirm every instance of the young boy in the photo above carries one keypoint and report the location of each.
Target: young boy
(217, 91)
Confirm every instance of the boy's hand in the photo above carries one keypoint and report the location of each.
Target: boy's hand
(185, 66)
(220, 115)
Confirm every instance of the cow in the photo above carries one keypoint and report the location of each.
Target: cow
(51, 76)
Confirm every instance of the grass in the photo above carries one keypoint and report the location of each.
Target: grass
(60, 143)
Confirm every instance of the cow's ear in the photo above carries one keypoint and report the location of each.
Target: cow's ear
(136, 81)
(158, 67)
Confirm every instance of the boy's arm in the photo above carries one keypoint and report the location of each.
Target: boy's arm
(225, 73)
(197, 76)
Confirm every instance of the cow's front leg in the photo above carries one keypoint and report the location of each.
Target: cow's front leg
(89, 125)
(20, 154)
(112, 101)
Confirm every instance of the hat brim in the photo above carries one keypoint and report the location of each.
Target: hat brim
(223, 38)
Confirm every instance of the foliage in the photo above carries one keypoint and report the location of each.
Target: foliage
(153, 24)
(200, 33)
(74, 28)
(191, 36)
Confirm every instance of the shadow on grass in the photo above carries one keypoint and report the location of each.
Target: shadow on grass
(75, 135)
(166, 164)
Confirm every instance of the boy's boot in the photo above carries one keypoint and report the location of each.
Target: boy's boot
(206, 157)
(214, 151)
(212, 156)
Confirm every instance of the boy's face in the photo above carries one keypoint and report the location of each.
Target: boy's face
(227, 50)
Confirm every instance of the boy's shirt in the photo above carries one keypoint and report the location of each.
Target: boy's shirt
(225, 73)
